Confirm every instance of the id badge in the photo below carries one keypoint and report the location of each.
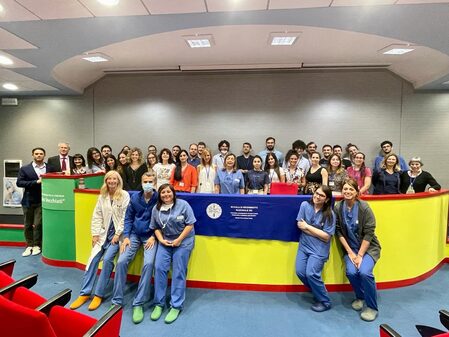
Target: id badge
(410, 190)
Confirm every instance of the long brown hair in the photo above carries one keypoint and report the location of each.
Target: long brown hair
(327, 206)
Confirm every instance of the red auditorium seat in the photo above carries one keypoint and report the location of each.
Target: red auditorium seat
(59, 322)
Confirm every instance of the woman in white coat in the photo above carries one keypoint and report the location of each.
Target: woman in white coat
(106, 228)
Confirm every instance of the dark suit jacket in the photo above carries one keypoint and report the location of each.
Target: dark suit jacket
(28, 178)
(55, 163)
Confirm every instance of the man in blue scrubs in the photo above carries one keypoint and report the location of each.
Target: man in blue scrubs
(137, 233)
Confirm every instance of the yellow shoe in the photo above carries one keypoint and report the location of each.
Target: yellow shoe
(79, 301)
(95, 303)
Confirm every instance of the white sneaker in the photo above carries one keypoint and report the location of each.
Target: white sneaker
(27, 251)
(36, 250)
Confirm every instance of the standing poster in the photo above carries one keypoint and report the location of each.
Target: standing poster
(12, 195)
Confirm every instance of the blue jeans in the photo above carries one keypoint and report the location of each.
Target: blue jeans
(309, 268)
(121, 270)
(109, 251)
(362, 280)
(179, 257)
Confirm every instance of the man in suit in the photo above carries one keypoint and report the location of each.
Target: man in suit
(29, 177)
(62, 162)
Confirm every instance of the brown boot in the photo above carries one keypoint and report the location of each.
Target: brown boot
(79, 301)
(95, 303)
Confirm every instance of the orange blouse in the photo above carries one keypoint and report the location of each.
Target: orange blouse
(189, 179)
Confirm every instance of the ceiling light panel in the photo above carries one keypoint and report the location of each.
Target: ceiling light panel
(13, 11)
(236, 5)
(5, 61)
(123, 8)
(175, 6)
(283, 38)
(10, 86)
(199, 40)
(286, 4)
(397, 49)
(109, 2)
(96, 57)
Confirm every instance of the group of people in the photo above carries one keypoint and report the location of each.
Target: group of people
(198, 170)
(156, 221)
(153, 218)
(353, 222)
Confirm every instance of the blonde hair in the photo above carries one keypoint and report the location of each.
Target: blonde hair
(104, 191)
(383, 164)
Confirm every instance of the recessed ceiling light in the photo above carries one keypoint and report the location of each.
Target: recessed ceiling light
(109, 2)
(5, 61)
(10, 86)
(199, 40)
(283, 38)
(96, 57)
(199, 43)
(398, 51)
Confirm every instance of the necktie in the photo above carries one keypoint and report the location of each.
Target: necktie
(64, 165)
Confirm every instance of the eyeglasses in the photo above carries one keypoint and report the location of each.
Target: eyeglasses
(320, 195)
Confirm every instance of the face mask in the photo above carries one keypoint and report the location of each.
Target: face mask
(147, 187)
(224, 151)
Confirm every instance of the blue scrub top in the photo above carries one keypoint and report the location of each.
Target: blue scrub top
(230, 182)
(311, 244)
(173, 221)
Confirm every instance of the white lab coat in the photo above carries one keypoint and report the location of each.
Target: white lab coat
(101, 219)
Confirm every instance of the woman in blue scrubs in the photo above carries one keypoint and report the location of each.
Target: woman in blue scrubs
(355, 230)
(316, 220)
(229, 180)
(172, 221)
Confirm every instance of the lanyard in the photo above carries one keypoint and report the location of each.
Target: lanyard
(168, 218)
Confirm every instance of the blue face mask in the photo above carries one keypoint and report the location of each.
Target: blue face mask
(147, 187)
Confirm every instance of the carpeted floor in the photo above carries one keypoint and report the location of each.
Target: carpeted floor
(257, 314)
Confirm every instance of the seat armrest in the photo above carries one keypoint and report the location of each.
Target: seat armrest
(108, 325)
(7, 266)
(61, 299)
(387, 331)
(444, 318)
(428, 331)
(27, 282)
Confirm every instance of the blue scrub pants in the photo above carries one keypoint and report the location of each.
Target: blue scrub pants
(362, 280)
(121, 270)
(109, 251)
(309, 268)
(179, 257)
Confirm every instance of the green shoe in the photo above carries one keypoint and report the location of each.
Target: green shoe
(137, 314)
(172, 315)
(156, 314)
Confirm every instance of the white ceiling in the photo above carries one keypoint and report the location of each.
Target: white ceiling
(45, 38)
